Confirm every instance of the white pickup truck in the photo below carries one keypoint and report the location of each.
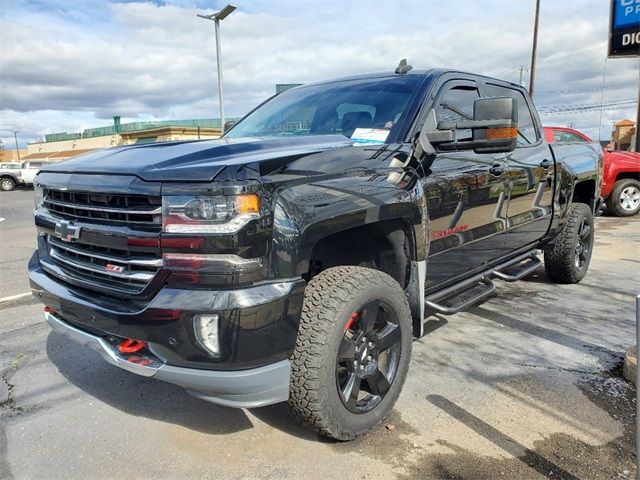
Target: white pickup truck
(12, 174)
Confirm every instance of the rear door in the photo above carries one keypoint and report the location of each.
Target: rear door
(466, 193)
(530, 174)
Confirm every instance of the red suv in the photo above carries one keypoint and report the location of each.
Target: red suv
(621, 179)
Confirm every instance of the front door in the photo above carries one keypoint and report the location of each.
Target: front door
(530, 176)
(467, 196)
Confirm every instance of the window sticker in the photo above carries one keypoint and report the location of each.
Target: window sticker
(369, 135)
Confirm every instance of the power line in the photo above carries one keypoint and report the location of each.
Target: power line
(590, 89)
(606, 106)
(590, 104)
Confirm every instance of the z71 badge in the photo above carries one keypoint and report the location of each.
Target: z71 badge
(114, 268)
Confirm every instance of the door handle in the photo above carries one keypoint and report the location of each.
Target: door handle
(546, 164)
(496, 169)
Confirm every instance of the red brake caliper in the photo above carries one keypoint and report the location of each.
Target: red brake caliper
(351, 321)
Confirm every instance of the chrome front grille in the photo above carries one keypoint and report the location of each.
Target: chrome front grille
(99, 266)
(141, 211)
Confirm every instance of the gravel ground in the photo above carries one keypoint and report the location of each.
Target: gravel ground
(525, 385)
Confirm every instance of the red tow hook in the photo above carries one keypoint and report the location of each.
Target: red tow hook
(131, 345)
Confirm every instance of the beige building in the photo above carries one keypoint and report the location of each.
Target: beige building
(60, 146)
(624, 134)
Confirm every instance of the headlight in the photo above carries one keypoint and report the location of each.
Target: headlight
(219, 214)
(38, 195)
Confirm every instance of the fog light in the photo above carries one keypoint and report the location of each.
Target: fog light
(206, 328)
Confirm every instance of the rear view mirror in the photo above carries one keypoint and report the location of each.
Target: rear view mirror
(228, 126)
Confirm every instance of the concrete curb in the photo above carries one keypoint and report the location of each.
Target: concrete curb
(16, 299)
(630, 365)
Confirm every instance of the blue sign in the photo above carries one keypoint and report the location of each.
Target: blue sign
(626, 13)
(624, 32)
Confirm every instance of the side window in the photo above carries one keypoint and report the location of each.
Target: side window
(566, 137)
(527, 131)
(456, 105)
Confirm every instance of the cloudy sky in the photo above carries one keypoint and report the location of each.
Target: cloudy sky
(66, 65)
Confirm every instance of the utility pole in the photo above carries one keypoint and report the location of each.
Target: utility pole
(532, 78)
(523, 68)
(604, 84)
(15, 136)
(216, 17)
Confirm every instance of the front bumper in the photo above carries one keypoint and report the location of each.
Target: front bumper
(257, 331)
(242, 389)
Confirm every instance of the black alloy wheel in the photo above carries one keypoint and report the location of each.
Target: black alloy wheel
(352, 352)
(583, 244)
(368, 357)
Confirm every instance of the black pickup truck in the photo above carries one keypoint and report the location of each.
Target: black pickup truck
(295, 258)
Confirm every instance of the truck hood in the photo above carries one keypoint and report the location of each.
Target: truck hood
(619, 155)
(196, 160)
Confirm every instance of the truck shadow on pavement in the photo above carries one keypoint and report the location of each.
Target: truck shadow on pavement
(146, 397)
(138, 395)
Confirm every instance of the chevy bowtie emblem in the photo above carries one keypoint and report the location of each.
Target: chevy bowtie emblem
(67, 231)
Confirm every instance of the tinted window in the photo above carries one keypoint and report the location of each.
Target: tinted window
(527, 131)
(456, 105)
(332, 108)
(566, 137)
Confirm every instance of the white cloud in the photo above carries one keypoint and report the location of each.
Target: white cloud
(65, 65)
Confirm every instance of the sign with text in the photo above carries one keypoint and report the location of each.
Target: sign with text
(624, 30)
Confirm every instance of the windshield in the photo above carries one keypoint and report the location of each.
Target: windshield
(367, 108)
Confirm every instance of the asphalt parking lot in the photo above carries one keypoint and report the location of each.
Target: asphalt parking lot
(525, 385)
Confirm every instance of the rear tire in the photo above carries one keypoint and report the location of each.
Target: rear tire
(567, 259)
(624, 199)
(343, 383)
(7, 184)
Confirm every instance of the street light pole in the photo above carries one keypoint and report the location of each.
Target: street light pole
(216, 17)
(219, 60)
(15, 136)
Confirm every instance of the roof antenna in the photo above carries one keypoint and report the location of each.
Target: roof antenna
(402, 67)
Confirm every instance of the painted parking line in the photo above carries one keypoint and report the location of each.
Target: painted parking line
(14, 298)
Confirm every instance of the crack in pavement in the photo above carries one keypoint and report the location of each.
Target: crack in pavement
(564, 369)
(9, 404)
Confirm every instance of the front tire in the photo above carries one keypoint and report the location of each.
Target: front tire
(567, 259)
(7, 184)
(352, 352)
(624, 200)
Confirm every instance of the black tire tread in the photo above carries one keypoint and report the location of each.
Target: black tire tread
(558, 260)
(324, 296)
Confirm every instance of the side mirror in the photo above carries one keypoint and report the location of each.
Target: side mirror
(228, 126)
(497, 128)
(494, 127)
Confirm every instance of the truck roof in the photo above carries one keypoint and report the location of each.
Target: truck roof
(424, 71)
